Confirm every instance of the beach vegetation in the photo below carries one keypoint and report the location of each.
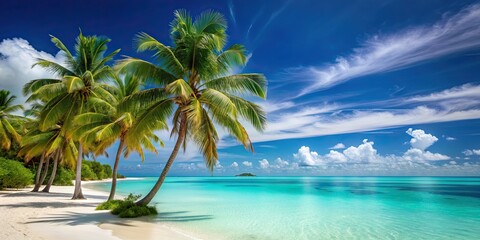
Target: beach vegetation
(14, 174)
(127, 208)
(64, 177)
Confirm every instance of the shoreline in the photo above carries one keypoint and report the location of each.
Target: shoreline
(54, 215)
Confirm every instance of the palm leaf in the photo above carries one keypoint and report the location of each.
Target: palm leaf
(240, 83)
(163, 53)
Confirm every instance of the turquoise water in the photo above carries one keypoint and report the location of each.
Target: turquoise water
(317, 207)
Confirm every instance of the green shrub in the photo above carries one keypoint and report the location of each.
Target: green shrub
(98, 169)
(138, 211)
(95, 170)
(109, 205)
(87, 173)
(126, 208)
(108, 170)
(64, 177)
(14, 175)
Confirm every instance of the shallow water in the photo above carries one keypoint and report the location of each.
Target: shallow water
(317, 207)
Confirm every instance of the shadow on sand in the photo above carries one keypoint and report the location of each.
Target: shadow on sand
(44, 194)
(101, 217)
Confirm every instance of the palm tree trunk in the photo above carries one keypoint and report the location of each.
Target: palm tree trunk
(181, 137)
(54, 172)
(44, 174)
(39, 171)
(77, 194)
(115, 169)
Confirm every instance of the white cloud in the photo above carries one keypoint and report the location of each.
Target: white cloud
(279, 163)
(16, 59)
(415, 154)
(264, 164)
(234, 165)
(450, 138)
(335, 156)
(338, 146)
(471, 152)
(464, 91)
(307, 157)
(420, 139)
(270, 107)
(383, 53)
(247, 164)
(365, 153)
(300, 125)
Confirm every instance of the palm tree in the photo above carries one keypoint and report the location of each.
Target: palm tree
(48, 144)
(102, 129)
(195, 76)
(9, 123)
(80, 78)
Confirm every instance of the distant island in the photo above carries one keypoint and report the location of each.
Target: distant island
(245, 175)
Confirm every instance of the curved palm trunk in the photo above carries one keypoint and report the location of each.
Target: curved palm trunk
(115, 170)
(44, 175)
(181, 136)
(39, 172)
(77, 194)
(54, 172)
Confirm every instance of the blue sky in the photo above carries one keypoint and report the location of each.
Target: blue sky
(355, 87)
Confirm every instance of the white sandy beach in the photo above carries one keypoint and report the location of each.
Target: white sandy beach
(27, 215)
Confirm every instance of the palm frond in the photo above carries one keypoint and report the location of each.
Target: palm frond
(53, 67)
(251, 112)
(34, 85)
(146, 71)
(163, 53)
(255, 84)
(232, 57)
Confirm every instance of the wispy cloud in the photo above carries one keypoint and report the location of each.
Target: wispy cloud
(383, 53)
(289, 120)
(272, 17)
(299, 125)
(231, 10)
(466, 91)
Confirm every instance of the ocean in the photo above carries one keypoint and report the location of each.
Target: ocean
(316, 207)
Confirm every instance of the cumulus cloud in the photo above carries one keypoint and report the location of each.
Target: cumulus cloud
(383, 53)
(365, 153)
(264, 164)
(470, 152)
(335, 156)
(247, 164)
(16, 59)
(307, 157)
(279, 163)
(415, 154)
(234, 165)
(338, 146)
(420, 139)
